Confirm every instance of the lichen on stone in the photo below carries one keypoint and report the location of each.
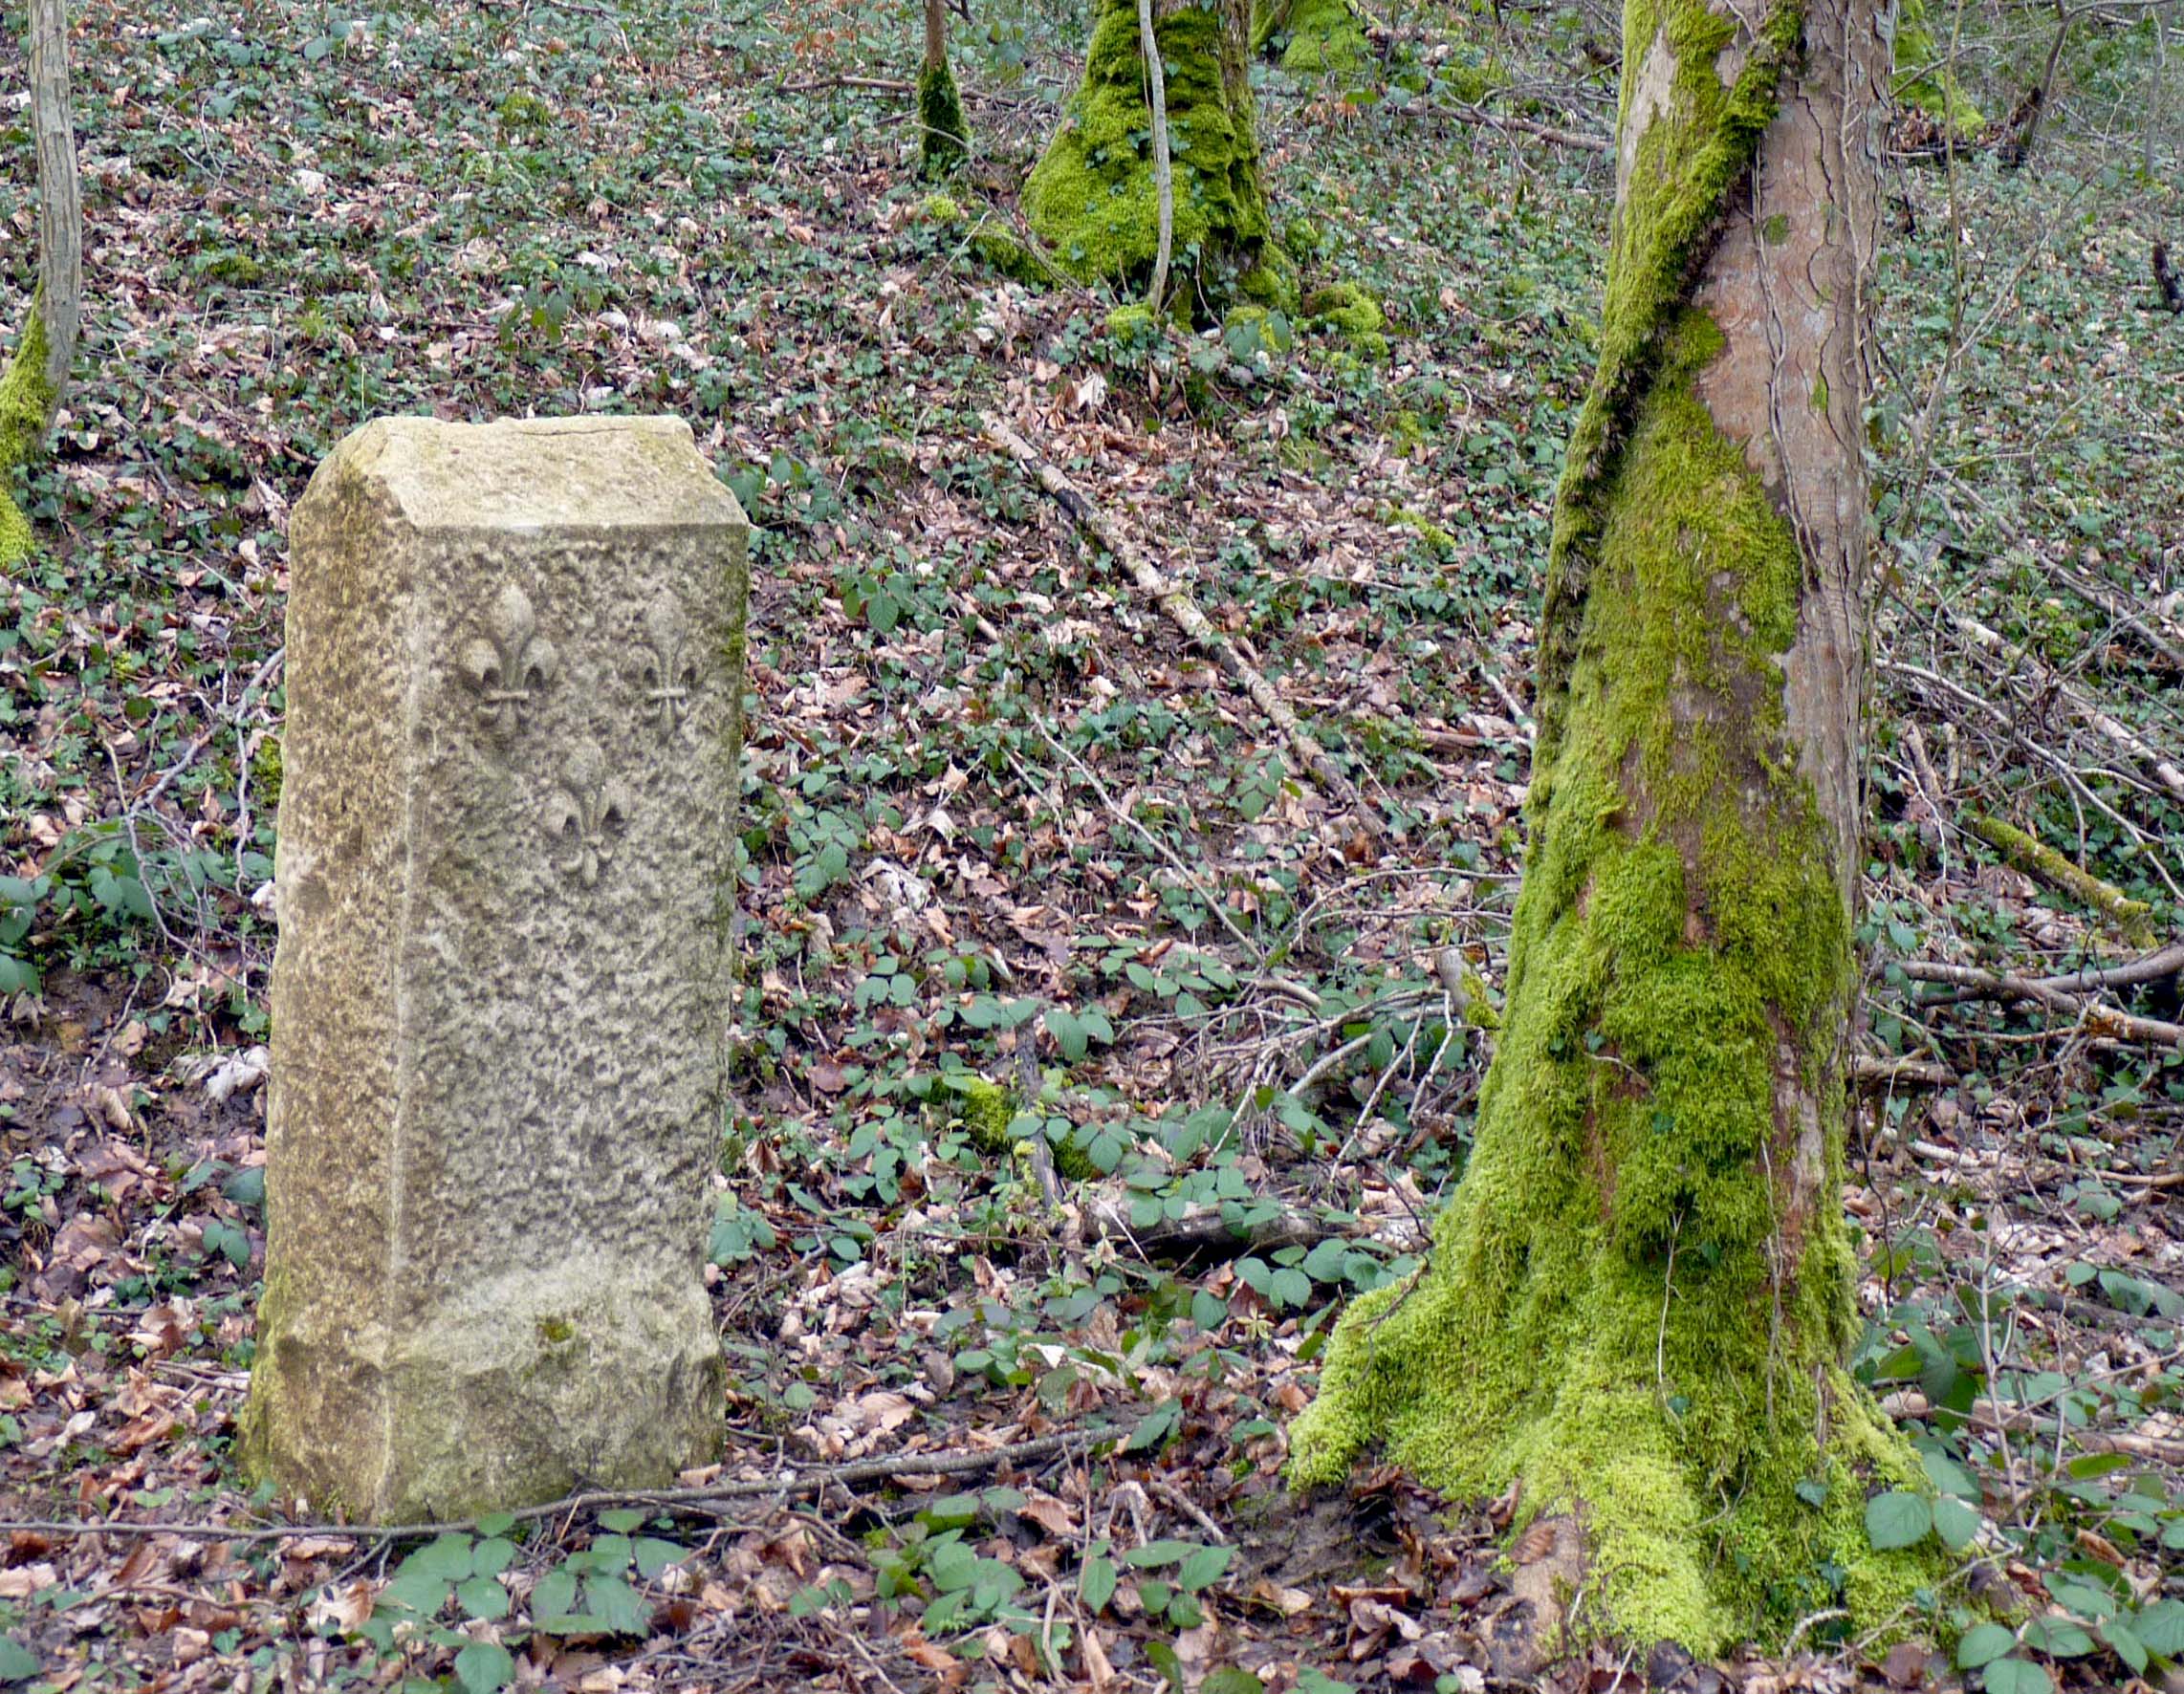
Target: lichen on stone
(1092, 198)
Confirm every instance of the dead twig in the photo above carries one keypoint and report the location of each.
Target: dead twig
(800, 1482)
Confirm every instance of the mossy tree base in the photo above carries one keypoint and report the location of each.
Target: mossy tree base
(1314, 37)
(1639, 1301)
(944, 132)
(1092, 200)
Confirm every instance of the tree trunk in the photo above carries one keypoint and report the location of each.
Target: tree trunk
(1092, 198)
(32, 389)
(943, 137)
(1640, 1298)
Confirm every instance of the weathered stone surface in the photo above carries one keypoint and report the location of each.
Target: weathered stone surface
(514, 653)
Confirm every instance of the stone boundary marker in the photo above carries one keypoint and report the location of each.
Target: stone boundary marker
(502, 989)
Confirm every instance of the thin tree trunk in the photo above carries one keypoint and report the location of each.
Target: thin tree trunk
(38, 374)
(1641, 1295)
(943, 138)
(1162, 172)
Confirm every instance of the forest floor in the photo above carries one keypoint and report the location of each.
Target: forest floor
(1004, 819)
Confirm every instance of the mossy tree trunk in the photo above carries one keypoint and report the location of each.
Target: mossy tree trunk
(1314, 37)
(1640, 1298)
(30, 391)
(1092, 198)
(943, 137)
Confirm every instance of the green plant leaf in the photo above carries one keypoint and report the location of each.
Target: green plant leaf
(1956, 1523)
(2161, 1627)
(1897, 1520)
(1983, 1644)
(17, 1662)
(482, 1596)
(1203, 1569)
(483, 1668)
(448, 1558)
(2058, 1637)
(555, 1597)
(2017, 1676)
(1155, 1554)
(1096, 1586)
(2120, 1636)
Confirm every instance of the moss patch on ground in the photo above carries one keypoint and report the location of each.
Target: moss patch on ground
(1352, 313)
(1092, 198)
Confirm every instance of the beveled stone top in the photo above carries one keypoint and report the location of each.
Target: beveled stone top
(528, 474)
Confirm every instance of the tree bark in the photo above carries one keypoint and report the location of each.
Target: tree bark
(1640, 1298)
(1093, 199)
(38, 374)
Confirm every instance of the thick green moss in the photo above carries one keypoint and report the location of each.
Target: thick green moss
(1313, 36)
(1353, 313)
(26, 405)
(987, 1109)
(1092, 198)
(1619, 1313)
(944, 132)
(1686, 161)
(1923, 83)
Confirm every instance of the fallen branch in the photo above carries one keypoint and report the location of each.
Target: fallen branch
(2029, 854)
(801, 1481)
(2097, 1018)
(1203, 1232)
(1177, 604)
(2019, 1420)
(2118, 735)
(2155, 968)
(1882, 1074)
(1546, 132)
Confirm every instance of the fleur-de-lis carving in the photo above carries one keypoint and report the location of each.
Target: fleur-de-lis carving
(585, 816)
(511, 664)
(667, 672)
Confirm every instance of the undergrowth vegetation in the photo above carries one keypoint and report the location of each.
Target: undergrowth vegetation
(1056, 969)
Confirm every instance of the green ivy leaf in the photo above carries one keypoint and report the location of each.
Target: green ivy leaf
(484, 1669)
(1096, 1585)
(1956, 1523)
(17, 1662)
(2161, 1627)
(2017, 1676)
(1897, 1520)
(1982, 1644)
